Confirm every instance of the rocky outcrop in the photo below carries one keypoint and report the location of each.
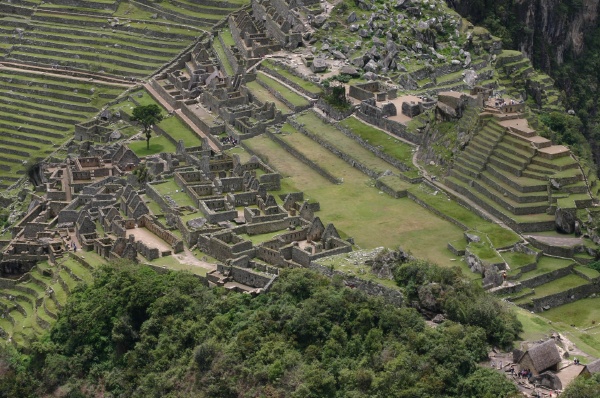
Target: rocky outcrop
(545, 30)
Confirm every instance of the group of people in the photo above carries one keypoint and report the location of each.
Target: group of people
(524, 373)
(229, 140)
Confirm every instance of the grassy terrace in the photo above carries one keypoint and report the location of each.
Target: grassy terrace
(43, 277)
(517, 260)
(223, 58)
(171, 124)
(556, 286)
(286, 92)
(169, 187)
(405, 223)
(499, 237)
(312, 150)
(35, 121)
(227, 38)
(263, 95)
(485, 252)
(305, 84)
(378, 138)
(157, 145)
(347, 145)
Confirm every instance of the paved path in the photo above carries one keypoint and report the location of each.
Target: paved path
(558, 240)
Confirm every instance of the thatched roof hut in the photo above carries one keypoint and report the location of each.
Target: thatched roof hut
(541, 357)
(592, 367)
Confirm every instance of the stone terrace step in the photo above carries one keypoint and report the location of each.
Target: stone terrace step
(40, 110)
(536, 141)
(504, 195)
(522, 184)
(511, 158)
(67, 33)
(505, 165)
(560, 164)
(554, 151)
(511, 192)
(529, 223)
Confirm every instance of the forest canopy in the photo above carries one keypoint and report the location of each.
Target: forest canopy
(137, 333)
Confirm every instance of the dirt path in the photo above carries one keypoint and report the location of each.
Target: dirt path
(188, 258)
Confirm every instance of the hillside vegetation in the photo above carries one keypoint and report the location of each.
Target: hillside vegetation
(136, 333)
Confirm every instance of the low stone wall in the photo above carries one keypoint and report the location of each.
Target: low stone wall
(437, 212)
(391, 126)
(548, 277)
(348, 159)
(568, 296)
(389, 190)
(300, 156)
(391, 296)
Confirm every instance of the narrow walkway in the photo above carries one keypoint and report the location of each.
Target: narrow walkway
(157, 97)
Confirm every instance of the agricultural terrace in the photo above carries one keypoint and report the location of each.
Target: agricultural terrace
(40, 111)
(31, 306)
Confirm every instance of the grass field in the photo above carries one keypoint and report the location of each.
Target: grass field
(157, 145)
(373, 219)
(170, 187)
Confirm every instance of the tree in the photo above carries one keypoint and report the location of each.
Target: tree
(147, 116)
(583, 387)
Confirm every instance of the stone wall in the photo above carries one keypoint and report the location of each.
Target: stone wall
(245, 276)
(298, 155)
(147, 222)
(547, 277)
(568, 296)
(332, 111)
(150, 253)
(348, 159)
(391, 296)
(391, 126)
(271, 226)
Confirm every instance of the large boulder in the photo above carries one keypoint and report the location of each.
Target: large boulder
(371, 66)
(564, 220)
(548, 380)
(319, 20)
(319, 65)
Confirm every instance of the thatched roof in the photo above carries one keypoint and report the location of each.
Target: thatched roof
(593, 367)
(544, 355)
